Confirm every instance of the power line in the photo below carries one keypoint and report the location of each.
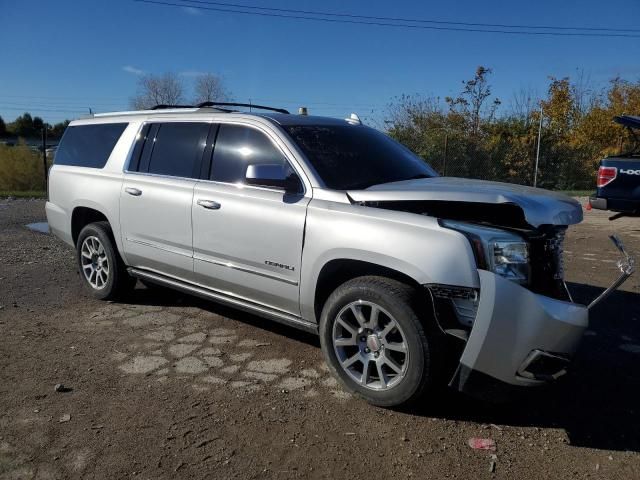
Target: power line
(90, 103)
(410, 20)
(78, 104)
(388, 24)
(37, 109)
(55, 97)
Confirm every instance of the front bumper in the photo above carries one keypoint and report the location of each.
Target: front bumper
(518, 339)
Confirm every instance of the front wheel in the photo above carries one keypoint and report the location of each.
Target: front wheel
(375, 342)
(102, 270)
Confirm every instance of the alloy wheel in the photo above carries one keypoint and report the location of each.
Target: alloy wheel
(370, 345)
(94, 262)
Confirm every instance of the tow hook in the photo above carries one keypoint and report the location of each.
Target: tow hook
(627, 266)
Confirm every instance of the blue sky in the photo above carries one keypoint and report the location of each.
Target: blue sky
(61, 57)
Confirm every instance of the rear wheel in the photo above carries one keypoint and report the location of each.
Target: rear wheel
(375, 342)
(102, 270)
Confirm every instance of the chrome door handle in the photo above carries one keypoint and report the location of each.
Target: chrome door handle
(209, 204)
(133, 191)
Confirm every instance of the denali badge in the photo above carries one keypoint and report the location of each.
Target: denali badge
(630, 172)
(279, 265)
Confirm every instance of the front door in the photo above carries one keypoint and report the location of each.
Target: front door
(247, 240)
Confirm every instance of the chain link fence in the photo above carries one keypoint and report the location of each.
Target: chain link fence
(513, 160)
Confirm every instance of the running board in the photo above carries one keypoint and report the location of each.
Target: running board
(209, 294)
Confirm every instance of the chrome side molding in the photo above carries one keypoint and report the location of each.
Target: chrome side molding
(216, 296)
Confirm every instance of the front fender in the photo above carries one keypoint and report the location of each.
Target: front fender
(414, 245)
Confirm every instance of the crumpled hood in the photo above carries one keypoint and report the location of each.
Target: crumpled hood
(540, 207)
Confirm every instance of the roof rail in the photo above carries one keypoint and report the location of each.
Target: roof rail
(232, 104)
(164, 106)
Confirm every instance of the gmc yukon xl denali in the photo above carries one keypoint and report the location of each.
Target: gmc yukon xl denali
(411, 280)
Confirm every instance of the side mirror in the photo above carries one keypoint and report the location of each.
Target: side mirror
(273, 175)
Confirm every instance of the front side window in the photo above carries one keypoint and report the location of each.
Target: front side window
(88, 145)
(177, 149)
(237, 147)
(350, 157)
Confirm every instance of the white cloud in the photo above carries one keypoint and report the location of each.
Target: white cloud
(133, 70)
(192, 10)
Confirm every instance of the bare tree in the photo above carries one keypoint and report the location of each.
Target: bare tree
(165, 89)
(209, 88)
(471, 101)
(583, 92)
(523, 103)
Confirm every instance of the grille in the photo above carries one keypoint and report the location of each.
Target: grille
(450, 291)
(547, 264)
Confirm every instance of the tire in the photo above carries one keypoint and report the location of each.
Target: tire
(102, 271)
(395, 302)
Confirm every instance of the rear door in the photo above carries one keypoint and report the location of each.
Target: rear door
(156, 197)
(247, 239)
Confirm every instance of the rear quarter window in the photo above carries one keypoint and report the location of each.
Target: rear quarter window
(88, 145)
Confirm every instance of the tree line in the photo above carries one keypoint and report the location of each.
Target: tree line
(464, 135)
(26, 126)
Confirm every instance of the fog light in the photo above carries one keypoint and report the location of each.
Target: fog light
(543, 366)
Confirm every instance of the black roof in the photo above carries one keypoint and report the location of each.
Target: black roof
(629, 121)
(290, 120)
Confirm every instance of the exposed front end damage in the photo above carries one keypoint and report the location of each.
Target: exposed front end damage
(518, 338)
(510, 335)
(518, 326)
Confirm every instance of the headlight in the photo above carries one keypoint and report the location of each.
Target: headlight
(511, 260)
(499, 251)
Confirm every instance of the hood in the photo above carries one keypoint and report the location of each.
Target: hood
(539, 207)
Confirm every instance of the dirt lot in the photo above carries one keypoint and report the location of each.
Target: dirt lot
(167, 386)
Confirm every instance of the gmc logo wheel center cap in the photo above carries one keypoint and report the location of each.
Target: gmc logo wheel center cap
(373, 342)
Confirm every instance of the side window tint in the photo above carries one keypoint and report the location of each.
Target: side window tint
(141, 139)
(177, 149)
(88, 145)
(236, 148)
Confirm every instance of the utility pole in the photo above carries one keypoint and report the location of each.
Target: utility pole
(444, 160)
(535, 173)
(44, 153)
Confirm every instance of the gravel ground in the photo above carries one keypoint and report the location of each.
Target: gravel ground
(167, 386)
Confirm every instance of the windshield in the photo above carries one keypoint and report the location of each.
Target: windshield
(350, 157)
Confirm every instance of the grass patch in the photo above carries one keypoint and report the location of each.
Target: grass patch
(21, 169)
(23, 194)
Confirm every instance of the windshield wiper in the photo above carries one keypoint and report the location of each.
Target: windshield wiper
(415, 177)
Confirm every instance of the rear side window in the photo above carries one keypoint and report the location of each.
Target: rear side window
(88, 145)
(177, 149)
(236, 148)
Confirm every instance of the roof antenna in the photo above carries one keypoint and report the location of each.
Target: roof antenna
(90, 111)
(354, 119)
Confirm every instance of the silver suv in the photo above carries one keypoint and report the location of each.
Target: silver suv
(411, 280)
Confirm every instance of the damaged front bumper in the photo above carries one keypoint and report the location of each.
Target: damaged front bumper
(518, 339)
(523, 339)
